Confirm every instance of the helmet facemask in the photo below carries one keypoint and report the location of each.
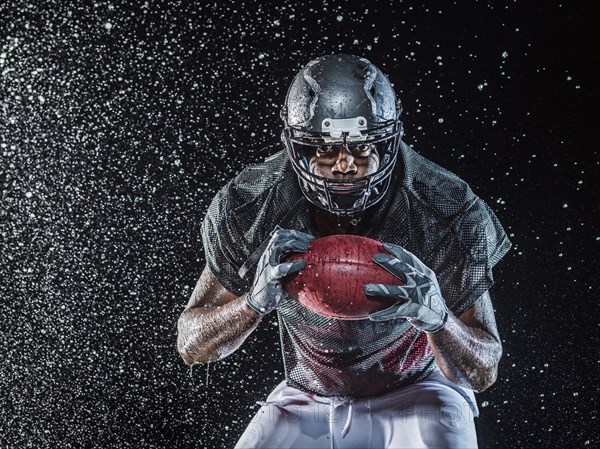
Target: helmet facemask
(348, 196)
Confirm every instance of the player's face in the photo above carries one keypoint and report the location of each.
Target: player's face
(341, 162)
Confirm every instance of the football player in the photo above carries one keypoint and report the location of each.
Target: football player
(405, 377)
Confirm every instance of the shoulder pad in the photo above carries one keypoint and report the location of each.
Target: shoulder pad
(439, 189)
(256, 179)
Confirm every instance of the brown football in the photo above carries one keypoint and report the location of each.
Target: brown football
(337, 268)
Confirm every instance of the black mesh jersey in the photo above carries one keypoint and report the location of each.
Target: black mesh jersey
(427, 210)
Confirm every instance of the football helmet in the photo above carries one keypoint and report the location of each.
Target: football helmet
(342, 100)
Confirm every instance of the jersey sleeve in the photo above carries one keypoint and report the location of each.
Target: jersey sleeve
(480, 242)
(224, 241)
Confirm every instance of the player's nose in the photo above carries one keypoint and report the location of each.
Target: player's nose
(344, 163)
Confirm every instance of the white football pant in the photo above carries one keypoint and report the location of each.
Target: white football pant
(432, 413)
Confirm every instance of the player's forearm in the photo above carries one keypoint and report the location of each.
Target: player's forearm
(466, 355)
(207, 334)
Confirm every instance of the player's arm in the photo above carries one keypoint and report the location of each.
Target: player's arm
(214, 323)
(468, 348)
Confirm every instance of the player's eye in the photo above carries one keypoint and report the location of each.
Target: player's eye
(325, 151)
(362, 150)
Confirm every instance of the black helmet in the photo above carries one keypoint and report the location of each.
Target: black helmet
(342, 100)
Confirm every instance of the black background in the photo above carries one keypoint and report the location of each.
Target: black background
(120, 121)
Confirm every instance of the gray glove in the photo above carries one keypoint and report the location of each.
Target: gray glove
(267, 291)
(419, 300)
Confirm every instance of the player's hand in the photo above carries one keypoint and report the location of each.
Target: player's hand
(267, 291)
(419, 300)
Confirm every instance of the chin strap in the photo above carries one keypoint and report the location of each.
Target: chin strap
(305, 161)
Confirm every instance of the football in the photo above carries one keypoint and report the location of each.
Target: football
(337, 268)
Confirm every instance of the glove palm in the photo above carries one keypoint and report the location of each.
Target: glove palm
(267, 291)
(419, 300)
